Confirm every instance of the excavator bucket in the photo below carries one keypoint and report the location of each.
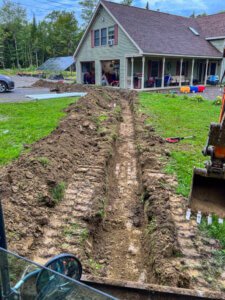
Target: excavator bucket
(207, 193)
(208, 185)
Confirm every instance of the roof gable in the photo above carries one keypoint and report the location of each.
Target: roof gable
(101, 4)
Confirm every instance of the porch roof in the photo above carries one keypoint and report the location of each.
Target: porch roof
(162, 33)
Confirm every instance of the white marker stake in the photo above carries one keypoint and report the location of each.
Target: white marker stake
(199, 217)
(220, 221)
(209, 219)
(188, 214)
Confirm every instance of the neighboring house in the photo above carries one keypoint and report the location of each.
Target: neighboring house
(137, 48)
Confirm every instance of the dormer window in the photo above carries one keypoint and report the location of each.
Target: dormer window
(194, 31)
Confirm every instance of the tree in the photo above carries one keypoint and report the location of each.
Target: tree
(147, 5)
(62, 32)
(127, 2)
(87, 10)
(13, 20)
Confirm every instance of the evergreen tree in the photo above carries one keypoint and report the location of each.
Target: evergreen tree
(147, 5)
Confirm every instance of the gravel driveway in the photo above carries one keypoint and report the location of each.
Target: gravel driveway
(23, 87)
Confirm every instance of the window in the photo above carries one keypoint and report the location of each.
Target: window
(103, 36)
(194, 31)
(96, 38)
(111, 33)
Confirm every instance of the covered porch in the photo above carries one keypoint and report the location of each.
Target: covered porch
(154, 72)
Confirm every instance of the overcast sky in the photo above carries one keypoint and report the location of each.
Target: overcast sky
(182, 7)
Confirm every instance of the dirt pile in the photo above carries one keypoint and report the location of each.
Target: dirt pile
(177, 250)
(32, 186)
(62, 87)
(161, 235)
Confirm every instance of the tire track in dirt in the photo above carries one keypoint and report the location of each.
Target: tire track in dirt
(67, 230)
(121, 239)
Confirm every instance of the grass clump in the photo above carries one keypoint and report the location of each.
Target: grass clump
(151, 227)
(102, 118)
(44, 161)
(58, 192)
(218, 101)
(95, 266)
(84, 235)
(70, 229)
(215, 230)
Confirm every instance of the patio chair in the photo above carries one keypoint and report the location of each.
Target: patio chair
(167, 80)
(213, 79)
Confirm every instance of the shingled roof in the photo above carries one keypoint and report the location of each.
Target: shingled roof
(212, 25)
(161, 33)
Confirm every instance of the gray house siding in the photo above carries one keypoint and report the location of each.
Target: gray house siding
(218, 44)
(97, 54)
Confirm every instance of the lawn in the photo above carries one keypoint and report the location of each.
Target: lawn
(174, 116)
(25, 123)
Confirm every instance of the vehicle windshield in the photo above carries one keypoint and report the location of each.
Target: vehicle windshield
(29, 281)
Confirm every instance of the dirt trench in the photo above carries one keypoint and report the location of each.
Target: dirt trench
(120, 214)
(119, 242)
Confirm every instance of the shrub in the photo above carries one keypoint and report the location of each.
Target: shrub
(185, 97)
(198, 98)
(218, 101)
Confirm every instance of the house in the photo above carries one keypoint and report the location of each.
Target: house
(137, 48)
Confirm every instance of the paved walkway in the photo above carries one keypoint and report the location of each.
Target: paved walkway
(210, 93)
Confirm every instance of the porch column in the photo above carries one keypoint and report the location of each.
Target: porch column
(163, 71)
(125, 72)
(206, 71)
(192, 71)
(143, 73)
(132, 73)
(181, 67)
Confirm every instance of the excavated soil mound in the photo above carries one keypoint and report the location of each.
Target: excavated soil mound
(30, 187)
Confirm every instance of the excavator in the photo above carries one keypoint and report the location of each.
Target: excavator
(208, 184)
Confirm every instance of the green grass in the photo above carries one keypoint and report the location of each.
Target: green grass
(215, 230)
(25, 123)
(178, 116)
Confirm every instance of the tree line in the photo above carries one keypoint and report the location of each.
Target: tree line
(25, 42)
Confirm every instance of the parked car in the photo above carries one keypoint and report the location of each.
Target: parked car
(6, 83)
